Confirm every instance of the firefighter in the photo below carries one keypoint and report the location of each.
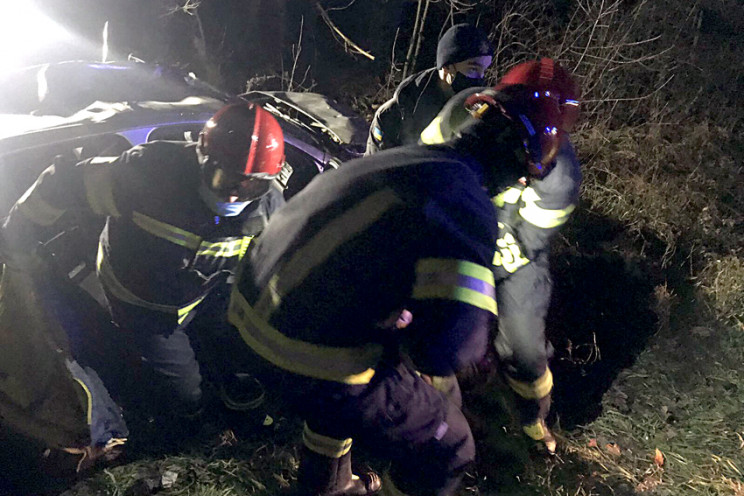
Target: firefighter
(178, 218)
(530, 213)
(463, 55)
(321, 300)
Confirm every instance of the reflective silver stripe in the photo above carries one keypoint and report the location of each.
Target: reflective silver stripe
(33, 207)
(458, 280)
(509, 195)
(326, 446)
(166, 231)
(322, 245)
(542, 217)
(99, 187)
(224, 249)
(344, 365)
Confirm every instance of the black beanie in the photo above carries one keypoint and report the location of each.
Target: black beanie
(462, 42)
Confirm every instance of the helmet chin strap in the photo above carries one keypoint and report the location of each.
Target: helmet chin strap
(217, 205)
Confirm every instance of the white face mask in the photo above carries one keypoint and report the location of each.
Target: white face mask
(216, 205)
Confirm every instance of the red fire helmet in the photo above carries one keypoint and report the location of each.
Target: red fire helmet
(243, 138)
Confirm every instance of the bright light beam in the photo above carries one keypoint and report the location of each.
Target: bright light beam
(23, 30)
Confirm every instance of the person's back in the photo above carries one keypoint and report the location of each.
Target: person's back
(347, 249)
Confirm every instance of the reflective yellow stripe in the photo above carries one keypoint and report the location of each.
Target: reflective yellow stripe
(166, 231)
(320, 247)
(459, 280)
(345, 365)
(244, 247)
(536, 431)
(508, 254)
(33, 207)
(225, 249)
(536, 390)
(324, 445)
(542, 217)
(183, 312)
(89, 408)
(509, 195)
(99, 189)
(432, 135)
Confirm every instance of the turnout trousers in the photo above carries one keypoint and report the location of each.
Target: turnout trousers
(397, 417)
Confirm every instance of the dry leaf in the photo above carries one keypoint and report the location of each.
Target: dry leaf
(612, 449)
(659, 458)
(592, 443)
(648, 484)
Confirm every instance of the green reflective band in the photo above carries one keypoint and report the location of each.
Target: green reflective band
(324, 445)
(432, 135)
(344, 365)
(536, 431)
(33, 207)
(224, 249)
(99, 189)
(166, 231)
(509, 195)
(535, 390)
(542, 217)
(183, 312)
(458, 280)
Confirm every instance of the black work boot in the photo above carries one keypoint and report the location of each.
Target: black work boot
(324, 476)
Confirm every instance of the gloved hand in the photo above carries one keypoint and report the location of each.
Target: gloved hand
(532, 415)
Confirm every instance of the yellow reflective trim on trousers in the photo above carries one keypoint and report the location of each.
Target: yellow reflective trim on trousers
(509, 195)
(320, 247)
(89, 396)
(33, 207)
(344, 365)
(535, 431)
(535, 390)
(473, 284)
(166, 231)
(432, 135)
(324, 445)
(99, 189)
(542, 217)
(225, 249)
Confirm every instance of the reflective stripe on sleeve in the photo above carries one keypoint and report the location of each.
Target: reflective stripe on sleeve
(166, 231)
(542, 217)
(535, 390)
(509, 195)
(457, 280)
(432, 135)
(99, 188)
(89, 401)
(344, 365)
(34, 208)
(324, 445)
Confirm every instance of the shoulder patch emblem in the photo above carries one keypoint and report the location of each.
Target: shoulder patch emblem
(377, 133)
